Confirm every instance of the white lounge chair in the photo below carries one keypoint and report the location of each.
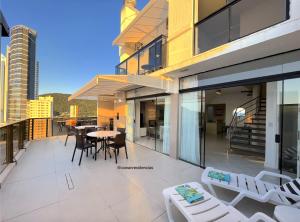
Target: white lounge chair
(255, 188)
(207, 210)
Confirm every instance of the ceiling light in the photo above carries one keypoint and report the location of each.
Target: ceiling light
(219, 92)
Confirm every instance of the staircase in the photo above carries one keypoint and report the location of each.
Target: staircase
(247, 131)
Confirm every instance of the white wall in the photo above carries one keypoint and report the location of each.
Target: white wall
(272, 124)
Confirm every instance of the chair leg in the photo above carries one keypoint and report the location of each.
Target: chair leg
(116, 156)
(66, 140)
(80, 157)
(74, 153)
(87, 152)
(126, 152)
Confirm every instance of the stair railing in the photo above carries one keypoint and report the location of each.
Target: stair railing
(250, 108)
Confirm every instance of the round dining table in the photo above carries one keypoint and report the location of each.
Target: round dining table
(86, 126)
(103, 135)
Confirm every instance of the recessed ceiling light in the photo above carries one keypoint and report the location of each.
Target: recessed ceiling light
(219, 92)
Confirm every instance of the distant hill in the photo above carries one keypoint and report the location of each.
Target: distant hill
(61, 105)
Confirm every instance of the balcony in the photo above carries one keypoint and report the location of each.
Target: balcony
(46, 186)
(148, 59)
(238, 19)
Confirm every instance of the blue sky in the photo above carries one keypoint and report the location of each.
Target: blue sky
(74, 38)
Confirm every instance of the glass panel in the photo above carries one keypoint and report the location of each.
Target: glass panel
(291, 127)
(130, 118)
(16, 138)
(190, 127)
(213, 32)
(207, 7)
(163, 124)
(132, 65)
(2, 148)
(121, 69)
(189, 82)
(145, 127)
(147, 62)
(249, 16)
(59, 126)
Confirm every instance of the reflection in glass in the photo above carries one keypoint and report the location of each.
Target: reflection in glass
(291, 126)
(189, 149)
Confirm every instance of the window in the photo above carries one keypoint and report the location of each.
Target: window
(239, 112)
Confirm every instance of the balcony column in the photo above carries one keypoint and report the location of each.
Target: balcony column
(174, 124)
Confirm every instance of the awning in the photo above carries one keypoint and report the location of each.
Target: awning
(153, 14)
(108, 85)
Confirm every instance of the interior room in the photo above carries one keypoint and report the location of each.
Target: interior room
(232, 138)
(152, 123)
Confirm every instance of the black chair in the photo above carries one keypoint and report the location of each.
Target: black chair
(71, 131)
(121, 130)
(118, 142)
(83, 145)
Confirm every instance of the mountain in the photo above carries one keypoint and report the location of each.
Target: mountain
(61, 105)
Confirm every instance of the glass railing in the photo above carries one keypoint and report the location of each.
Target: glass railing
(13, 136)
(12, 139)
(146, 60)
(238, 19)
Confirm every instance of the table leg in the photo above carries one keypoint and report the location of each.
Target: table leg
(104, 142)
(96, 150)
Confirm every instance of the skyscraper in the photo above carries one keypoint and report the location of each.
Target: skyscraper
(36, 82)
(22, 71)
(3, 88)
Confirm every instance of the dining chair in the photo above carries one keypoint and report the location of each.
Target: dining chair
(71, 131)
(118, 142)
(83, 145)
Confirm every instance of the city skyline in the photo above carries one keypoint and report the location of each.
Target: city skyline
(93, 54)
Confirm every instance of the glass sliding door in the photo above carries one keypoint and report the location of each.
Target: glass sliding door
(291, 127)
(153, 123)
(190, 127)
(146, 122)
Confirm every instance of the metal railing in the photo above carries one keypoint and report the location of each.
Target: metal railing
(148, 59)
(243, 113)
(237, 19)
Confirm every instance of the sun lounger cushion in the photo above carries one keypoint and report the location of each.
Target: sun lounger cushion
(190, 194)
(292, 187)
(219, 176)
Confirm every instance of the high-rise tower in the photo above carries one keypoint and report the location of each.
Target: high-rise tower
(36, 82)
(21, 71)
(3, 87)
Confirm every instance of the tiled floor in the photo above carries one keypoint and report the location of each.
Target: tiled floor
(46, 186)
(219, 156)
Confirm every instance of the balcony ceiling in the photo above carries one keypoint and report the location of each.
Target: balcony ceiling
(153, 14)
(108, 85)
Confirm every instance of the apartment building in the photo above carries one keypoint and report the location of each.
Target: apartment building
(41, 107)
(3, 87)
(210, 82)
(74, 111)
(40, 111)
(4, 32)
(22, 71)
